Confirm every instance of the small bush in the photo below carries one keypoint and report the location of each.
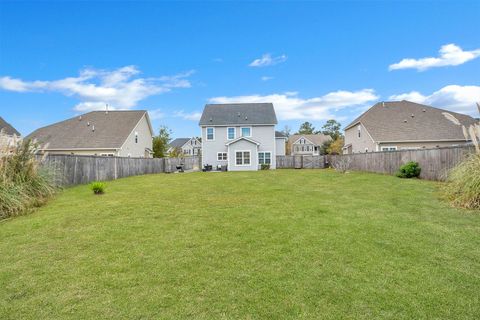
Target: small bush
(409, 170)
(264, 166)
(463, 184)
(24, 184)
(98, 187)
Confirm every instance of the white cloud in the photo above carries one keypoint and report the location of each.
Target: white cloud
(450, 55)
(290, 106)
(193, 116)
(452, 97)
(268, 60)
(156, 114)
(266, 78)
(120, 88)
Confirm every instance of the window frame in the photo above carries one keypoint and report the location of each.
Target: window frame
(241, 132)
(264, 158)
(388, 148)
(234, 133)
(243, 158)
(213, 133)
(221, 158)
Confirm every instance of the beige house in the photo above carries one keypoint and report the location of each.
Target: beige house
(400, 125)
(306, 144)
(9, 136)
(111, 133)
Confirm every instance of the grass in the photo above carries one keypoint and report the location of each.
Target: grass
(284, 244)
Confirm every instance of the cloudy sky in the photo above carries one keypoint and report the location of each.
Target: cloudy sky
(315, 61)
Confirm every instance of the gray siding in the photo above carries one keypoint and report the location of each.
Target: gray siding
(280, 144)
(359, 144)
(137, 150)
(242, 145)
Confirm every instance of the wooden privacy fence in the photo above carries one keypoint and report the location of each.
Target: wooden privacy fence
(75, 169)
(435, 163)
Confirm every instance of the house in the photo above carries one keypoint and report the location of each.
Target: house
(104, 133)
(397, 125)
(307, 144)
(238, 136)
(280, 143)
(9, 136)
(186, 146)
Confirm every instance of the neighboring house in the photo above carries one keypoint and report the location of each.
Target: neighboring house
(112, 133)
(9, 136)
(397, 125)
(240, 136)
(186, 146)
(307, 144)
(280, 143)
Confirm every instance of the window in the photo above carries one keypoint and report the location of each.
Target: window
(246, 132)
(210, 133)
(136, 137)
(106, 154)
(394, 148)
(302, 141)
(242, 158)
(230, 133)
(222, 156)
(359, 129)
(264, 158)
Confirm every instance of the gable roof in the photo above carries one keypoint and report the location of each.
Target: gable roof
(242, 138)
(111, 130)
(7, 128)
(409, 121)
(316, 139)
(238, 114)
(178, 143)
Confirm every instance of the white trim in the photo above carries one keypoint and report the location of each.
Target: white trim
(305, 139)
(258, 157)
(243, 159)
(242, 138)
(206, 134)
(222, 152)
(251, 132)
(234, 133)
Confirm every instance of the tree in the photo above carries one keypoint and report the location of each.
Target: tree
(336, 146)
(160, 142)
(286, 131)
(332, 128)
(306, 128)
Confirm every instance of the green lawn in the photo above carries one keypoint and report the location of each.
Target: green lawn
(284, 244)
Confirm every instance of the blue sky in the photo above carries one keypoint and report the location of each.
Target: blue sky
(313, 60)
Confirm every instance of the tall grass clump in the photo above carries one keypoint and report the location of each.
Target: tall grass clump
(463, 181)
(23, 183)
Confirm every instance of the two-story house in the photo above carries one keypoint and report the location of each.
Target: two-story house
(307, 144)
(239, 136)
(186, 146)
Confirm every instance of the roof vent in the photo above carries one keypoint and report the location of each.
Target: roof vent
(413, 116)
(405, 120)
(383, 104)
(80, 118)
(211, 119)
(424, 110)
(93, 128)
(246, 118)
(106, 108)
(88, 123)
(238, 114)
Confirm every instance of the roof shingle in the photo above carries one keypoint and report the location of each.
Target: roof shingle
(238, 114)
(7, 128)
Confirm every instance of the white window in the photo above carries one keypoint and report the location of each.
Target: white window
(242, 158)
(246, 132)
(230, 133)
(210, 133)
(264, 158)
(389, 148)
(222, 156)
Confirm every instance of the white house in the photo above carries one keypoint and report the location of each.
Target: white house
(239, 136)
(112, 133)
(186, 146)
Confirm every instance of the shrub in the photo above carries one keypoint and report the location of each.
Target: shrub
(463, 183)
(264, 166)
(24, 184)
(409, 170)
(98, 187)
